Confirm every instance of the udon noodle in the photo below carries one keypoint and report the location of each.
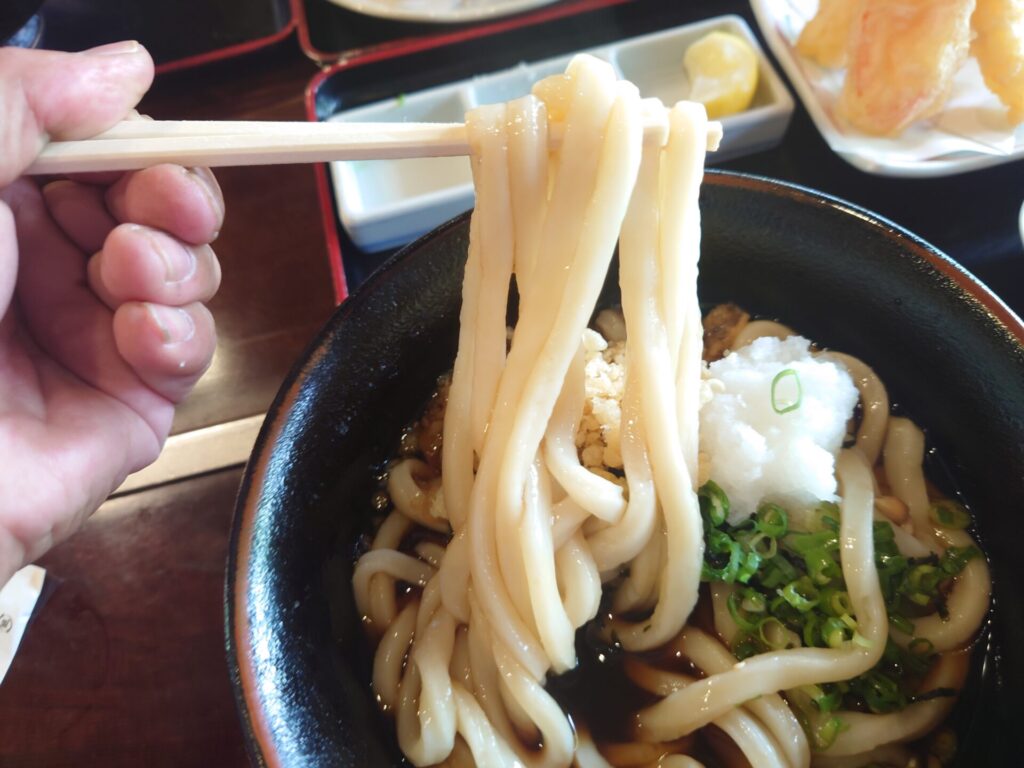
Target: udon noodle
(509, 544)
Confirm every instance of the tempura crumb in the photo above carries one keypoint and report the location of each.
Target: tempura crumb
(598, 437)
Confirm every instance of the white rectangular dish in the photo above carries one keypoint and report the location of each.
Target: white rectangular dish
(970, 132)
(386, 203)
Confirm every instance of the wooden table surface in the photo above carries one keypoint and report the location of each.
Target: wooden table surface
(124, 662)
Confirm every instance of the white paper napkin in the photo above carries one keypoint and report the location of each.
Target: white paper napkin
(17, 599)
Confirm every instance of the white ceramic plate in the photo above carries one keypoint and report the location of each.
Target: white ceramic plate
(971, 131)
(439, 11)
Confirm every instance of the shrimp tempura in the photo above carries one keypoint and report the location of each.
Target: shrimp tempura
(999, 49)
(824, 38)
(902, 58)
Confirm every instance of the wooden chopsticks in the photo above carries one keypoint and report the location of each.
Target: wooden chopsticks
(136, 144)
(142, 143)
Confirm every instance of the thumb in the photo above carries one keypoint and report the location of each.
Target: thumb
(45, 94)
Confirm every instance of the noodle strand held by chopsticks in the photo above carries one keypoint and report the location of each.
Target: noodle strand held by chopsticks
(534, 530)
(656, 338)
(544, 343)
(518, 592)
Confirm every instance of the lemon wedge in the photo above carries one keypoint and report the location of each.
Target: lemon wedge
(722, 68)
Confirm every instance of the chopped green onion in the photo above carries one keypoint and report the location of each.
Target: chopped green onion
(955, 559)
(822, 566)
(776, 572)
(795, 595)
(810, 632)
(881, 692)
(792, 403)
(782, 610)
(771, 520)
(892, 653)
(892, 564)
(827, 515)
(802, 543)
(740, 565)
(924, 576)
(836, 602)
(883, 533)
(826, 732)
(753, 601)
(830, 701)
(746, 645)
(949, 514)
(914, 663)
(902, 623)
(824, 700)
(739, 614)
(800, 594)
(764, 545)
(834, 632)
(714, 504)
(748, 567)
(775, 635)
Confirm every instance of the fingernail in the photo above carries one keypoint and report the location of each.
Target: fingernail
(206, 181)
(174, 323)
(179, 261)
(115, 49)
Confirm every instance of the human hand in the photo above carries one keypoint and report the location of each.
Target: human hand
(102, 325)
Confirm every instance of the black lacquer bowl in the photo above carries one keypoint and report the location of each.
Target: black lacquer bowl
(951, 354)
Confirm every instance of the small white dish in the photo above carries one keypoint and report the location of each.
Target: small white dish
(971, 131)
(386, 203)
(439, 11)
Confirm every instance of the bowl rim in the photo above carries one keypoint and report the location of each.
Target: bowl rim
(242, 665)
